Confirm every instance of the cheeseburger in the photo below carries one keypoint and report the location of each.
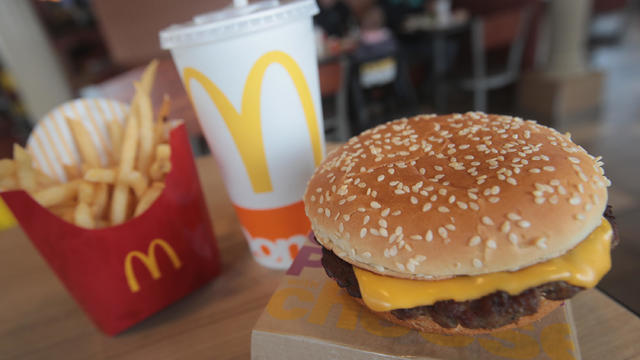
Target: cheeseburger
(462, 223)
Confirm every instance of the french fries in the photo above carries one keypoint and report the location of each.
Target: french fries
(87, 150)
(96, 195)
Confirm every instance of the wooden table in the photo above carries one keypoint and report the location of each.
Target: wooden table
(39, 320)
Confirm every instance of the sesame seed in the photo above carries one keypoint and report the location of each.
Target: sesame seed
(524, 224)
(575, 200)
(414, 200)
(383, 232)
(452, 199)
(320, 210)
(416, 237)
(382, 222)
(366, 220)
(540, 200)
(474, 206)
(506, 226)
(442, 191)
(495, 190)
(549, 168)
(579, 217)
(491, 244)
(443, 232)
(381, 177)
(450, 227)
(574, 160)
(513, 237)
(588, 206)
(462, 205)
(487, 220)
(398, 230)
(391, 171)
(429, 236)
(396, 213)
(341, 227)
(361, 209)
(363, 232)
(426, 207)
(398, 192)
(475, 240)
(513, 216)
(443, 209)
(562, 190)
(512, 181)
(375, 205)
(477, 263)
(534, 170)
(541, 242)
(374, 231)
(393, 251)
(385, 212)
(494, 199)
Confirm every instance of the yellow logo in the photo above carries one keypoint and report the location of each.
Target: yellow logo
(245, 126)
(150, 262)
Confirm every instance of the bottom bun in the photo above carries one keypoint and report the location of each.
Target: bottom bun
(425, 324)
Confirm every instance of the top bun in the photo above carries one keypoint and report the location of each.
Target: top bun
(432, 197)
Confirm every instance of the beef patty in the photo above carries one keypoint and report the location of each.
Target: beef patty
(488, 312)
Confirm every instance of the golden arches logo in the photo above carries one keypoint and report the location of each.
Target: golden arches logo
(246, 126)
(150, 262)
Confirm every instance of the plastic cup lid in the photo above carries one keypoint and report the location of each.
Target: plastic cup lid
(233, 21)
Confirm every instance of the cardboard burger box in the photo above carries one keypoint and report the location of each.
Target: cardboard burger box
(309, 317)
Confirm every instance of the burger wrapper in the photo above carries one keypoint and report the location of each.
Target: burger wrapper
(309, 317)
(121, 275)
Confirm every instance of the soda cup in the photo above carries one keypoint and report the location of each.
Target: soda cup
(251, 74)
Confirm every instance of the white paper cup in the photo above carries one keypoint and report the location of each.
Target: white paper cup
(252, 76)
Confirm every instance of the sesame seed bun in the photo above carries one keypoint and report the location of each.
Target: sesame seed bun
(432, 197)
(424, 323)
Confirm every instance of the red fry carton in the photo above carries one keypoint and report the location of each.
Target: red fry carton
(120, 275)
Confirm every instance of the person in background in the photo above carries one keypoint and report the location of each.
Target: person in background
(375, 39)
(334, 18)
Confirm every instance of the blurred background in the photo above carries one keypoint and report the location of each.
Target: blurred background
(570, 64)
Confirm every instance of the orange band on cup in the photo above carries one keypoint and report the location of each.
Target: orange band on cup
(276, 223)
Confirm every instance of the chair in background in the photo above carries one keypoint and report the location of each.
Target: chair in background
(380, 83)
(334, 75)
(503, 28)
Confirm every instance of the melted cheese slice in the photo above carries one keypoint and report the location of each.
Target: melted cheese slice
(582, 266)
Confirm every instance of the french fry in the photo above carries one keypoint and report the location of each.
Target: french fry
(115, 134)
(119, 203)
(81, 136)
(138, 183)
(120, 195)
(148, 76)
(82, 216)
(148, 198)
(7, 167)
(57, 194)
(163, 152)
(146, 129)
(71, 171)
(65, 209)
(8, 183)
(85, 192)
(65, 212)
(44, 180)
(25, 174)
(100, 175)
(159, 169)
(165, 108)
(100, 201)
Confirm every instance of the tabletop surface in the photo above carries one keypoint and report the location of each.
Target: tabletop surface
(39, 319)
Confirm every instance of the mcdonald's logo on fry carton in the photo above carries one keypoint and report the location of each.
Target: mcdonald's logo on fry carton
(265, 170)
(149, 261)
